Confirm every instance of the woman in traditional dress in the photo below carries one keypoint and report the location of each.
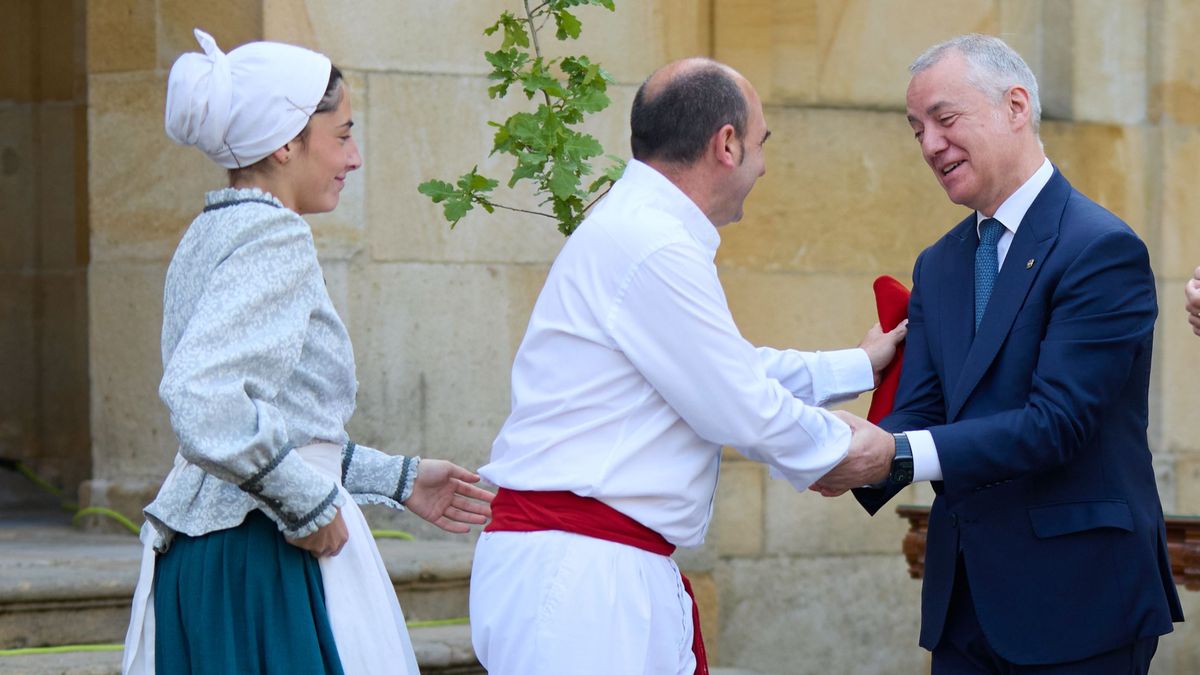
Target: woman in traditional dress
(257, 558)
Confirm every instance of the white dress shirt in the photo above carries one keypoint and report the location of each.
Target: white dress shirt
(632, 374)
(926, 465)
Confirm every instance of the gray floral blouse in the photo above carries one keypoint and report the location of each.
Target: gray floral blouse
(256, 362)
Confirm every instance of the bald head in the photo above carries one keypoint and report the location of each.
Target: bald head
(670, 72)
(681, 105)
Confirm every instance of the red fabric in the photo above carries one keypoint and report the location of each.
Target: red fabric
(891, 301)
(520, 511)
(697, 638)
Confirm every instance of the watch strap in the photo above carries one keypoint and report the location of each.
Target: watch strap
(902, 463)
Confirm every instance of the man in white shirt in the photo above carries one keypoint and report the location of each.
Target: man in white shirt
(630, 378)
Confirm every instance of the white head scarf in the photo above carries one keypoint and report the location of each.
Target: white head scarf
(240, 107)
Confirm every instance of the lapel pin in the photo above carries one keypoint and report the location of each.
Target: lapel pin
(1029, 265)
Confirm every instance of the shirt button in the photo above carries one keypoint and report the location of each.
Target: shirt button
(953, 520)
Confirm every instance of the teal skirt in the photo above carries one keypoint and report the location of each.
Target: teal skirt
(241, 600)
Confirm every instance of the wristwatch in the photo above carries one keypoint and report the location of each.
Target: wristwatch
(902, 464)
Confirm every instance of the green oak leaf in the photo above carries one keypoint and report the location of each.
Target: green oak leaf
(514, 31)
(437, 190)
(568, 25)
(563, 181)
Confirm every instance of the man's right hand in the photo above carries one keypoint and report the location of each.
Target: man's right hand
(881, 347)
(326, 541)
(1192, 291)
(868, 460)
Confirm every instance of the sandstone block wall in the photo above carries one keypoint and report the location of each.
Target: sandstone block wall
(789, 583)
(43, 249)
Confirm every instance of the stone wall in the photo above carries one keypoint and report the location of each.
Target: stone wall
(790, 583)
(847, 197)
(43, 249)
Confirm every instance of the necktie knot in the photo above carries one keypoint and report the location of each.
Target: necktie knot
(986, 265)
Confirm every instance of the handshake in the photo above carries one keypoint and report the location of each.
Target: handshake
(867, 461)
(869, 457)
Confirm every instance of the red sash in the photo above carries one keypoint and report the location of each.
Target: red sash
(519, 511)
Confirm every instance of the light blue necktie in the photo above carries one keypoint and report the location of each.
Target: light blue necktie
(986, 265)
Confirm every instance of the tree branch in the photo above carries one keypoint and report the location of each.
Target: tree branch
(513, 208)
(537, 49)
(598, 197)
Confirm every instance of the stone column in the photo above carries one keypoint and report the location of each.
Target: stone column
(1174, 133)
(43, 254)
(142, 192)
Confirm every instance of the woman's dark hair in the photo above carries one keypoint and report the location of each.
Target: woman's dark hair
(330, 100)
(676, 123)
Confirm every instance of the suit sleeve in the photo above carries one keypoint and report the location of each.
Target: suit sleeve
(1101, 318)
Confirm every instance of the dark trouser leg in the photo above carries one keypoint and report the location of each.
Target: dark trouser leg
(1131, 659)
(964, 650)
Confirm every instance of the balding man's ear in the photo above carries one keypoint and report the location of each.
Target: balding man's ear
(724, 146)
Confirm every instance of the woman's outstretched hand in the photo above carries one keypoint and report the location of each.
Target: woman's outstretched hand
(444, 495)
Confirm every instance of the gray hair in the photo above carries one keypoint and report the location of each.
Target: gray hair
(992, 67)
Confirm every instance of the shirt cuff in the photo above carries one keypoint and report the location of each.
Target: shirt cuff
(926, 465)
(847, 373)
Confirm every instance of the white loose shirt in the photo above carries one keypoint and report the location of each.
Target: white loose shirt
(632, 374)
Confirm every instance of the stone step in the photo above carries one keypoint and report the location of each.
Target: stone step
(73, 663)
(440, 651)
(444, 650)
(60, 586)
(432, 578)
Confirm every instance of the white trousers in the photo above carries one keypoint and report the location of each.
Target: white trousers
(553, 603)
(364, 614)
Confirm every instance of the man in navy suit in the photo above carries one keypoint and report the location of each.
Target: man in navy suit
(1023, 396)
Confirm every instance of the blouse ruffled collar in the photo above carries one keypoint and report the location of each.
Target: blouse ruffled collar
(230, 195)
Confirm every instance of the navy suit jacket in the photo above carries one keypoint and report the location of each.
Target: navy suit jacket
(1048, 493)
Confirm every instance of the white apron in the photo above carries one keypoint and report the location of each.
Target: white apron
(364, 614)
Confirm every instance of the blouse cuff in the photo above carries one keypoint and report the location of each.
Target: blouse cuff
(293, 494)
(374, 477)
